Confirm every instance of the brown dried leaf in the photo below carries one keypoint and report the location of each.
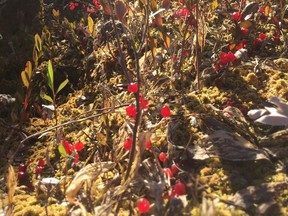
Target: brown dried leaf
(226, 145)
(279, 137)
(153, 5)
(202, 31)
(260, 200)
(166, 4)
(121, 10)
(166, 39)
(11, 187)
(87, 173)
(249, 10)
(106, 7)
(246, 24)
(159, 19)
(153, 46)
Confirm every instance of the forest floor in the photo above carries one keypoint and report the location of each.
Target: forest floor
(153, 119)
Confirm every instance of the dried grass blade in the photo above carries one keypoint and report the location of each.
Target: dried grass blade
(87, 173)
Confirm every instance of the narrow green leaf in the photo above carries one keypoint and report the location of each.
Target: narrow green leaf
(62, 85)
(62, 150)
(50, 75)
(46, 97)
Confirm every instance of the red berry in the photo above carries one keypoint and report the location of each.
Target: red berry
(239, 46)
(22, 168)
(244, 41)
(68, 147)
(168, 172)
(21, 176)
(231, 57)
(41, 162)
(79, 146)
(143, 205)
(131, 111)
(217, 67)
(165, 111)
(148, 145)
(133, 88)
(257, 42)
(127, 144)
(162, 156)
(225, 58)
(143, 103)
(179, 189)
(174, 169)
(76, 158)
(261, 10)
(72, 6)
(262, 36)
(182, 13)
(237, 16)
(39, 170)
(244, 31)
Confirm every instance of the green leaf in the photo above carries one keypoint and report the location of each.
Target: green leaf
(46, 97)
(62, 85)
(62, 150)
(50, 75)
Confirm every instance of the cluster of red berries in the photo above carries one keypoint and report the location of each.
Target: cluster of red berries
(73, 5)
(225, 58)
(261, 37)
(90, 9)
(131, 110)
(128, 144)
(179, 189)
(143, 204)
(22, 168)
(71, 150)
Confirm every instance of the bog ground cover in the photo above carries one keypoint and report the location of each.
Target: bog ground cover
(148, 108)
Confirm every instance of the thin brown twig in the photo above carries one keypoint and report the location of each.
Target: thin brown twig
(71, 122)
(122, 57)
(197, 45)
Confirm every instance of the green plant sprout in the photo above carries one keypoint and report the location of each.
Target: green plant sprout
(50, 82)
(27, 75)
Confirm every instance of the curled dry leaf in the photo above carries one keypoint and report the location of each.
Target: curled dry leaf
(87, 173)
(260, 200)
(274, 116)
(226, 145)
